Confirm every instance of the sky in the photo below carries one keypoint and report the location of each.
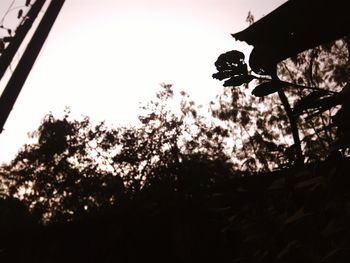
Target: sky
(103, 57)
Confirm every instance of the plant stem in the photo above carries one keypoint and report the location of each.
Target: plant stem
(294, 127)
(286, 83)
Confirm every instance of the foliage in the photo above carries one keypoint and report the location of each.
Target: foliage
(264, 126)
(14, 216)
(76, 169)
(295, 215)
(166, 187)
(286, 216)
(58, 177)
(165, 139)
(326, 67)
(255, 146)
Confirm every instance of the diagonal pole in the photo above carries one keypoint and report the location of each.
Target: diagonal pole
(19, 76)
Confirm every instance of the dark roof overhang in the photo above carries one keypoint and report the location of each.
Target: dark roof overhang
(292, 28)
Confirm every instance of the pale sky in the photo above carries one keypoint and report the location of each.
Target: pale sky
(103, 57)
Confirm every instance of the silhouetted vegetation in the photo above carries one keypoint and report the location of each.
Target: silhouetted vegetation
(263, 179)
(76, 168)
(301, 97)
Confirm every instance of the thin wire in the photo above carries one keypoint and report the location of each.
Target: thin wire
(7, 12)
(10, 30)
(10, 9)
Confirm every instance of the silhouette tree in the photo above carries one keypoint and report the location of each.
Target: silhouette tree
(76, 169)
(165, 141)
(326, 67)
(183, 202)
(298, 98)
(58, 177)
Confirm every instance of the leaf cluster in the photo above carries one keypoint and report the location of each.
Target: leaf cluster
(309, 90)
(76, 169)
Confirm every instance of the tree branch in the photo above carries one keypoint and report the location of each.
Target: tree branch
(294, 127)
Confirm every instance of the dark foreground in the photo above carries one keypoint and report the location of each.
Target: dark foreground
(300, 215)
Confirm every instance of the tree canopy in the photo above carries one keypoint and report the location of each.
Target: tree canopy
(262, 179)
(76, 168)
(300, 118)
